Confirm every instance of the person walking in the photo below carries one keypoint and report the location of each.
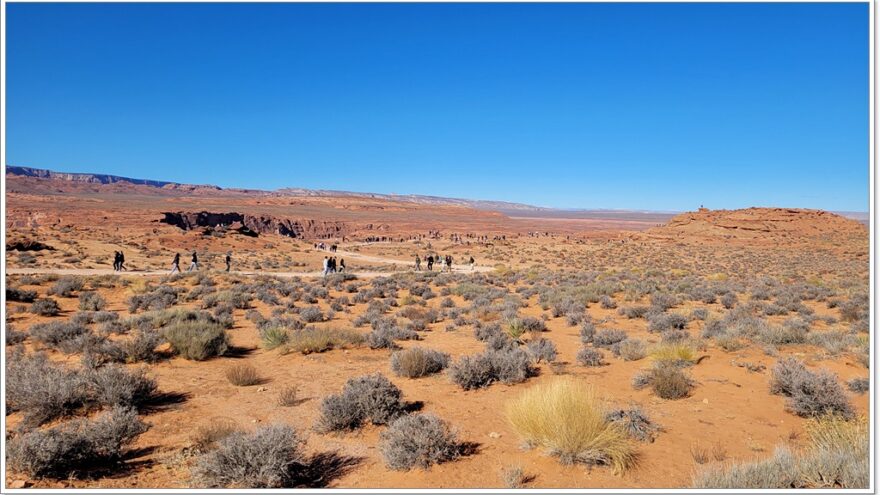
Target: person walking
(175, 265)
(418, 263)
(121, 265)
(228, 260)
(326, 265)
(341, 265)
(195, 263)
(430, 263)
(471, 261)
(115, 261)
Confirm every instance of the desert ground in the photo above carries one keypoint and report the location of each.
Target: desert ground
(711, 341)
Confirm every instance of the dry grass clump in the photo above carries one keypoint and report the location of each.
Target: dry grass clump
(197, 340)
(243, 375)
(313, 339)
(289, 396)
(676, 354)
(417, 362)
(565, 417)
(206, 436)
(837, 457)
(666, 381)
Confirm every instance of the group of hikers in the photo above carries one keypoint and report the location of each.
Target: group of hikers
(444, 261)
(119, 261)
(194, 265)
(331, 266)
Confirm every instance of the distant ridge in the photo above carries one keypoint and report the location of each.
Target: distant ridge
(505, 207)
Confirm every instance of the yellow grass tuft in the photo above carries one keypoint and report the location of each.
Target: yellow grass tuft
(565, 417)
(677, 353)
(313, 339)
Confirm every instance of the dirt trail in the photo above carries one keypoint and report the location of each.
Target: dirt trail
(310, 274)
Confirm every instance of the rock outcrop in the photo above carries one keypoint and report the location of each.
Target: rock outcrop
(259, 224)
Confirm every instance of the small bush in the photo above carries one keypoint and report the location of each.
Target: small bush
(859, 385)
(66, 286)
(141, 346)
(588, 332)
(370, 397)
(20, 295)
(588, 356)
(633, 312)
(542, 349)
(564, 417)
(91, 301)
(45, 307)
(417, 362)
(635, 423)
(243, 375)
(608, 337)
(266, 458)
(75, 445)
(663, 322)
(208, 435)
(810, 394)
(197, 341)
(666, 381)
(471, 372)
(630, 349)
(56, 332)
(114, 385)
(418, 440)
(41, 389)
(312, 314)
(607, 303)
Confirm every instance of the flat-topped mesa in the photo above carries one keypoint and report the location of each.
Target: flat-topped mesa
(256, 224)
(757, 224)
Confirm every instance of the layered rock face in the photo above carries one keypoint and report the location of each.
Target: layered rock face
(259, 224)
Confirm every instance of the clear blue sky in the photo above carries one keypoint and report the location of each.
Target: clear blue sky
(637, 106)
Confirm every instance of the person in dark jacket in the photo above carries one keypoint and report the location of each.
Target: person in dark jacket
(175, 265)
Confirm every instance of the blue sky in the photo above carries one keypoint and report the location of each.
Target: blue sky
(640, 106)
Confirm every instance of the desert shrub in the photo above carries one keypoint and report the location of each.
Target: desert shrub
(66, 286)
(484, 332)
(635, 423)
(70, 447)
(45, 307)
(588, 356)
(633, 312)
(91, 301)
(608, 337)
(674, 336)
(837, 457)
(15, 337)
(663, 301)
(588, 332)
(313, 339)
(515, 328)
(501, 342)
(810, 394)
(508, 366)
(56, 332)
(859, 385)
(312, 314)
(791, 332)
(41, 389)
(266, 458)
(729, 343)
(662, 322)
(196, 340)
(666, 381)
(141, 346)
(699, 314)
(384, 335)
(114, 385)
(160, 298)
(416, 362)
(418, 440)
(369, 397)
(20, 295)
(630, 349)
(833, 342)
(729, 300)
(542, 349)
(676, 354)
(607, 303)
(288, 397)
(565, 417)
